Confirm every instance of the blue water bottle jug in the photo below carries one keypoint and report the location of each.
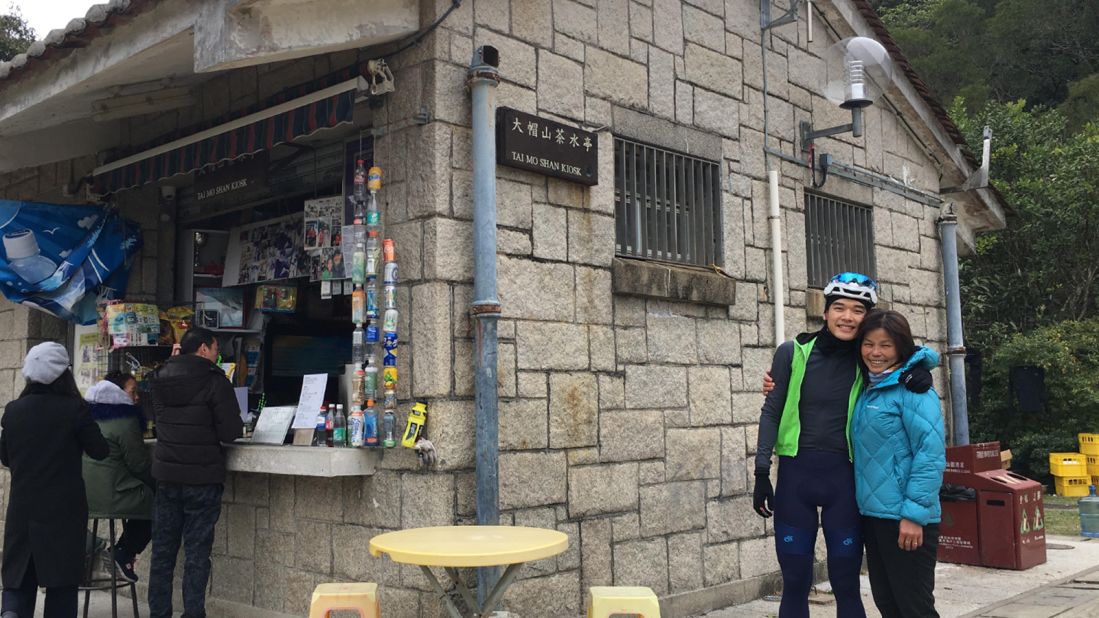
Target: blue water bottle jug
(1089, 513)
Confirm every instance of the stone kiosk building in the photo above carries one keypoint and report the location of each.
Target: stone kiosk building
(628, 387)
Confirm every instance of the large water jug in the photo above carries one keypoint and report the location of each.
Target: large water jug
(1089, 513)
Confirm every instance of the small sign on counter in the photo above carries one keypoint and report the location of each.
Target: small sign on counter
(273, 423)
(311, 400)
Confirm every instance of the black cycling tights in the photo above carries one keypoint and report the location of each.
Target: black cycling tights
(812, 480)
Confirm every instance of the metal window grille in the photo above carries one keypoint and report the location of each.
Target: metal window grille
(839, 237)
(667, 205)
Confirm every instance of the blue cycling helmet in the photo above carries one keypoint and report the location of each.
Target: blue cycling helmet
(851, 285)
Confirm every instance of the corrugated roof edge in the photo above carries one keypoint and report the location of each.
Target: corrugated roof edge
(76, 34)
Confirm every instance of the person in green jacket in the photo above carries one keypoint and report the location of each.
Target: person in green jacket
(122, 484)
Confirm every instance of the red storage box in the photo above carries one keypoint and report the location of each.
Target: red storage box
(971, 458)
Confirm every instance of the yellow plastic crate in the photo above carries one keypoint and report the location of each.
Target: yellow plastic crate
(1072, 486)
(1093, 464)
(1068, 464)
(1089, 443)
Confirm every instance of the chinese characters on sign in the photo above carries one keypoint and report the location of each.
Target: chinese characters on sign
(547, 147)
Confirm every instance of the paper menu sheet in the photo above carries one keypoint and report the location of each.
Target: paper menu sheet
(273, 424)
(311, 400)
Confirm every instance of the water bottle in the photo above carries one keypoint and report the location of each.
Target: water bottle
(370, 425)
(319, 431)
(358, 344)
(358, 307)
(372, 300)
(370, 379)
(373, 254)
(25, 258)
(356, 427)
(358, 382)
(339, 427)
(389, 429)
(1089, 513)
(372, 332)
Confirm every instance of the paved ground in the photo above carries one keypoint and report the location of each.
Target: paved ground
(1067, 586)
(1054, 589)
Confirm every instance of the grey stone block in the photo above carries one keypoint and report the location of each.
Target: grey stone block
(693, 454)
(655, 386)
(672, 507)
(721, 563)
(524, 423)
(732, 519)
(626, 435)
(685, 566)
(709, 396)
(642, 563)
(532, 479)
(549, 345)
(573, 410)
(598, 489)
(595, 552)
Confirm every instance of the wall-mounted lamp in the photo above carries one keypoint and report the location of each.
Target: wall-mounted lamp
(856, 72)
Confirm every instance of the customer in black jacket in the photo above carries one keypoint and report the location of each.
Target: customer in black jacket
(45, 431)
(195, 411)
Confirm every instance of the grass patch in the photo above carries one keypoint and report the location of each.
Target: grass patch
(1062, 515)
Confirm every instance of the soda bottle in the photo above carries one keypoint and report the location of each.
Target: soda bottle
(373, 254)
(356, 426)
(339, 427)
(389, 429)
(358, 344)
(370, 379)
(358, 305)
(389, 250)
(358, 257)
(319, 435)
(360, 181)
(330, 426)
(374, 178)
(373, 215)
(370, 425)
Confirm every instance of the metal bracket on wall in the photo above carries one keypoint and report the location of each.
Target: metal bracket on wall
(873, 179)
(765, 21)
(423, 116)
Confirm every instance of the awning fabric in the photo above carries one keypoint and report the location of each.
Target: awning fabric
(235, 141)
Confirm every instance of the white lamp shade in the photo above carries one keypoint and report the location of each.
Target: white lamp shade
(857, 71)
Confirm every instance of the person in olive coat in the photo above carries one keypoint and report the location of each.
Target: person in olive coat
(122, 484)
(44, 433)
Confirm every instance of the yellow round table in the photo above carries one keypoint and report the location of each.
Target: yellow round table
(453, 547)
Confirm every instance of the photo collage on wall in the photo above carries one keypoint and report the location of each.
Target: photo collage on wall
(324, 238)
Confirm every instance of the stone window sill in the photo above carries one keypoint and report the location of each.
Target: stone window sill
(673, 282)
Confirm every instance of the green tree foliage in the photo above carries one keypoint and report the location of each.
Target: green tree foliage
(998, 49)
(1042, 268)
(15, 34)
(1068, 352)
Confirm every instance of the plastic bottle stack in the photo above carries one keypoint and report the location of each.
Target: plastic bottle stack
(389, 345)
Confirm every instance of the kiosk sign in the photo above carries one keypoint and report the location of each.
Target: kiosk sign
(547, 147)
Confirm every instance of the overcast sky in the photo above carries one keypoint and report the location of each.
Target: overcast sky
(46, 15)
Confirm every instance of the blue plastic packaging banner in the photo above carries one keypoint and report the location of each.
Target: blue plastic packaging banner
(63, 258)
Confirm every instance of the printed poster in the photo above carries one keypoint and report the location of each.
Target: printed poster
(323, 238)
(267, 251)
(89, 358)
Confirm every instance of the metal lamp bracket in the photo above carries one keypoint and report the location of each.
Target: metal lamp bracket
(808, 134)
(765, 21)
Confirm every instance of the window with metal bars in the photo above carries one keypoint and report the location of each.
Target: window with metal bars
(839, 237)
(667, 205)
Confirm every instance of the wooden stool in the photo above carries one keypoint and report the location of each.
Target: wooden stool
(361, 598)
(606, 601)
(113, 583)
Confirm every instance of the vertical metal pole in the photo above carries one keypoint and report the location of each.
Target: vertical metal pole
(955, 346)
(483, 80)
(778, 291)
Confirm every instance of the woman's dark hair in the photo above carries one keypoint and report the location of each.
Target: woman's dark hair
(65, 385)
(895, 325)
(119, 378)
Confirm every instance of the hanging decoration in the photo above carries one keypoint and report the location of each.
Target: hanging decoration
(63, 259)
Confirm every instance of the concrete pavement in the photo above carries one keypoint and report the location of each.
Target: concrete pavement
(1066, 586)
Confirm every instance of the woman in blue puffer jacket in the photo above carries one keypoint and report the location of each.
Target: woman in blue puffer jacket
(899, 456)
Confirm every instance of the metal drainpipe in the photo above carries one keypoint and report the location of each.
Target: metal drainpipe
(955, 346)
(483, 80)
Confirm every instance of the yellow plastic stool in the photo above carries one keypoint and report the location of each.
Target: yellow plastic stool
(362, 598)
(606, 601)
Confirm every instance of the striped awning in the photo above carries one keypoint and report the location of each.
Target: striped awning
(260, 130)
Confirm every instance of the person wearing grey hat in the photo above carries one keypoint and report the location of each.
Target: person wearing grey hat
(43, 434)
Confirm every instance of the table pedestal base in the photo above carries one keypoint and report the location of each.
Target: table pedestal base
(475, 611)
